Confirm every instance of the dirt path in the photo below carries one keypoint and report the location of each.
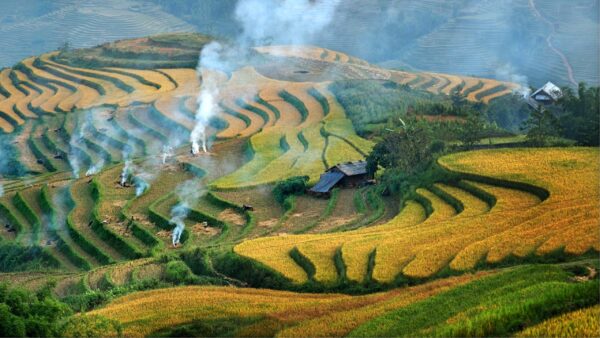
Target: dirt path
(563, 57)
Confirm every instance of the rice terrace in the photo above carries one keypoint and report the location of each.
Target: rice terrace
(306, 168)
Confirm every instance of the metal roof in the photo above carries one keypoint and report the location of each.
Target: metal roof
(352, 168)
(327, 181)
(551, 90)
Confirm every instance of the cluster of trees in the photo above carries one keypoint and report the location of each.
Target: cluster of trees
(407, 156)
(376, 105)
(576, 117)
(27, 314)
(371, 101)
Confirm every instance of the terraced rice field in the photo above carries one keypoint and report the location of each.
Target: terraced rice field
(296, 311)
(556, 210)
(77, 128)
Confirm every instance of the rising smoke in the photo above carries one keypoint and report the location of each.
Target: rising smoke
(295, 22)
(508, 73)
(188, 193)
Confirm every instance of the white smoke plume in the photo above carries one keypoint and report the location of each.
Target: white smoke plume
(188, 193)
(125, 173)
(294, 22)
(166, 153)
(209, 92)
(141, 183)
(508, 73)
(95, 168)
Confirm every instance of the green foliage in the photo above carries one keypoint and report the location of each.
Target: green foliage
(14, 257)
(370, 101)
(508, 112)
(26, 314)
(292, 186)
(498, 305)
(197, 261)
(580, 119)
(407, 150)
(178, 272)
(541, 126)
(303, 262)
(253, 273)
(403, 184)
(471, 130)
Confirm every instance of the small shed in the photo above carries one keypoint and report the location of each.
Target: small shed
(546, 95)
(347, 174)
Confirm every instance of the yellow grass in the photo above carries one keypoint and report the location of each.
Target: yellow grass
(64, 98)
(473, 205)
(113, 93)
(454, 81)
(150, 75)
(270, 163)
(289, 115)
(487, 85)
(460, 242)
(469, 82)
(266, 148)
(300, 314)
(355, 253)
(256, 122)
(22, 104)
(6, 105)
(580, 323)
(339, 151)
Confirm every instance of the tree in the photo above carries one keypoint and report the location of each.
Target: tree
(471, 130)
(580, 117)
(458, 99)
(540, 126)
(407, 150)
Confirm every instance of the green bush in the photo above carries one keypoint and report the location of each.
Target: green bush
(23, 313)
(292, 186)
(177, 272)
(14, 257)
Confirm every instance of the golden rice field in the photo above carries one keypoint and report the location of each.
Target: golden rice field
(580, 323)
(42, 82)
(290, 314)
(519, 225)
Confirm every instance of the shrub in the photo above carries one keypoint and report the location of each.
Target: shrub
(178, 272)
(292, 186)
(23, 313)
(14, 257)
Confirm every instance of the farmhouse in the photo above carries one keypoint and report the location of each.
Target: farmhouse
(546, 95)
(347, 174)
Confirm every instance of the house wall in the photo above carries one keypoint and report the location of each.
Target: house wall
(353, 181)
